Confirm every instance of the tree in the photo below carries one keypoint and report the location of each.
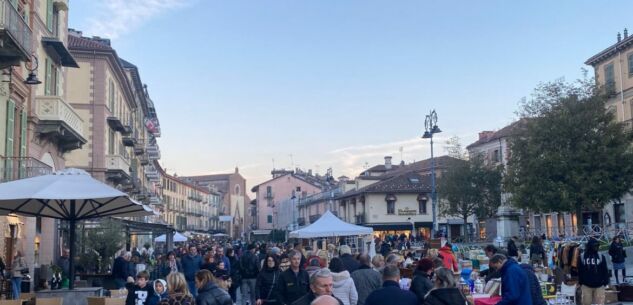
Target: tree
(103, 241)
(469, 187)
(568, 153)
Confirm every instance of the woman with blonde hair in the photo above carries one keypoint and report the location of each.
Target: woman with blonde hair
(208, 292)
(178, 291)
(18, 269)
(445, 289)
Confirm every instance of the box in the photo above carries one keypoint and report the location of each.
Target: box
(610, 296)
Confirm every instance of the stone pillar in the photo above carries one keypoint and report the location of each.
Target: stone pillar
(507, 222)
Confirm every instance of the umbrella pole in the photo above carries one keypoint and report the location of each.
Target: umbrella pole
(71, 261)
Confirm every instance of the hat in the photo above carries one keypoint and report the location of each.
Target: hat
(162, 282)
(345, 249)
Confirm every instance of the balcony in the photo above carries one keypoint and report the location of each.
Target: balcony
(314, 218)
(154, 199)
(139, 148)
(129, 141)
(15, 36)
(59, 121)
(301, 221)
(115, 123)
(152, 174)
(117, 168)
(153, 153)
(14, 168)
(359, 219)
(127, 130)
(269, 195)
(144, 161)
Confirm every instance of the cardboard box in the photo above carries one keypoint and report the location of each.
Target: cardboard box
(610, 296)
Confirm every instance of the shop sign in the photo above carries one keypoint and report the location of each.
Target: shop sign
(407, 212)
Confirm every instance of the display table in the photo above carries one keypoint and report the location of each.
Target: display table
(76, 296)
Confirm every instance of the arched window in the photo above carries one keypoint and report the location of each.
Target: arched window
(237, 189)
(422, 201)
(391, 203)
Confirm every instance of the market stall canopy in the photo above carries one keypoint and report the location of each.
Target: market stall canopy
(220, 235)
(329, 225)
(70, 194)
(177, 238)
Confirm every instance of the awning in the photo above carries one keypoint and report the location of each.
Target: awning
(261, 232)
(397, 226)
(56, 49)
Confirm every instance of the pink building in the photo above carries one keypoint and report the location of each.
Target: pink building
(284, 184)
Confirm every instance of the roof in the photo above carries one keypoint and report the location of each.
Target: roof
(318, 181)
(406, 182)
(499, 134)
(209, 177)
(381, 168)
(86, 43)
(610, 51)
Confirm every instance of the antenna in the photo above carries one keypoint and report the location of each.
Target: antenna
(401, 150)
(273, 163)
(366, 165)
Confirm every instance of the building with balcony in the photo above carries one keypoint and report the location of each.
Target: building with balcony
(613, 70)
(233, 206)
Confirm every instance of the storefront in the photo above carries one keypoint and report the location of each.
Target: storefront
(420, 229)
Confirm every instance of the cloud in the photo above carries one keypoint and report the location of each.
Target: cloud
(118, 17)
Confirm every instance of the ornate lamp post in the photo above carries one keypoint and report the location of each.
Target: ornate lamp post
(430, 126)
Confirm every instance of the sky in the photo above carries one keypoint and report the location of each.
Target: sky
(339, 84)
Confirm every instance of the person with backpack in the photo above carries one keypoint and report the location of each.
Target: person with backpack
(249, 268)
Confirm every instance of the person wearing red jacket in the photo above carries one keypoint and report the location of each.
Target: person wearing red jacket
(450, 262)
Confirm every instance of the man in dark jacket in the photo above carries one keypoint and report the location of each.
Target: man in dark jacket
(422, 283)
(249, 268)
(514, 282)
(365, 279)
(593, 274)
(321, 283)
(348, 260)
(120, 271)
(390, 293)
(535, 286)
(294, 282)
(191, 263)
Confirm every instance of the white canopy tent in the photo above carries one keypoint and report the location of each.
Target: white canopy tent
(177, 238)
(328, 225)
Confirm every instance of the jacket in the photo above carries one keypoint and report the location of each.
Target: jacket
(267, 285)
(190, 265)
(137, 295)
(366, 280)
(166, 268)
(178, 299)
(515, 286)
(344, 288)
(450, 262)
(421, 285)
(17, 266)
(535, 286)
(592, 269)
(350, 263)
(445, 296)
(617, 252)
(249, 265)
(292, 287)
(308, 298)
(391, 294)
(235, 272)
(211, 294)
(119, 268)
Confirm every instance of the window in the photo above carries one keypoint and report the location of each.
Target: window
(269, 192)
(237, 189)
(391, 204)
(111, 96)
(422, 206)
(496, 156)
(49, 15)
(111, 143)
(298, 189)
(618, 212)
(270, 219)
(609, 79)
(630, 60)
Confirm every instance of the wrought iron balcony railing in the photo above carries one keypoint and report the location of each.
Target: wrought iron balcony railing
(14, 168)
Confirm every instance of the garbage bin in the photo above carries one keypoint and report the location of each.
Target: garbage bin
(26, 285)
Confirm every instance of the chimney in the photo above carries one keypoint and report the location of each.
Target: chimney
(387, 162)
(485, 134)
(626, 33)
(309, 172)
(73, 32)
(619, 37)
(103, 41)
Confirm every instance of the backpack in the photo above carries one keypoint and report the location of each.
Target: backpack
(248, 264)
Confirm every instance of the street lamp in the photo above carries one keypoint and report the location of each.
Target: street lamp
(430, 126)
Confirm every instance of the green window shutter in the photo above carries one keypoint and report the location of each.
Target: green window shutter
(631, 64)
(8, 174)
(49, 15)
(48, 77)
(58, 75)
(23, 139)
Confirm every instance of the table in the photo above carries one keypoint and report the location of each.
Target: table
(487, 301)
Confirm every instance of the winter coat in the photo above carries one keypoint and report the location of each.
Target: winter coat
(391, 294)
(293, 286)
(235, 272)
(267, 285)
(592, 268)
(421, 285)
(350, 263)
(119, 268)
(535, 286)
(166, 268)
(450, 262)
(445, 296)
(617, 252)
(137, 295)
(344, 288)
(211, 294)
(514, 284)
(190, 265)
(178, 299)
(249, 265)
(537, 252)
(366, 280)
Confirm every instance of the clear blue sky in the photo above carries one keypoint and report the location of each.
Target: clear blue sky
(339, 83)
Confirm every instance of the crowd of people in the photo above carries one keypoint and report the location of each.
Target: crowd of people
(266, 274)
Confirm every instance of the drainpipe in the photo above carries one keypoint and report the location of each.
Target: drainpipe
(621, 84)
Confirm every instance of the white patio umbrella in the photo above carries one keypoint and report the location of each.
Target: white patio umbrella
(72, 195)
(220, 235)
(177, 238)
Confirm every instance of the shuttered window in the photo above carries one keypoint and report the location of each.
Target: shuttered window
(609, 79)
(49, 15)
(23, 139)
(8, 174)
(630, 61)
